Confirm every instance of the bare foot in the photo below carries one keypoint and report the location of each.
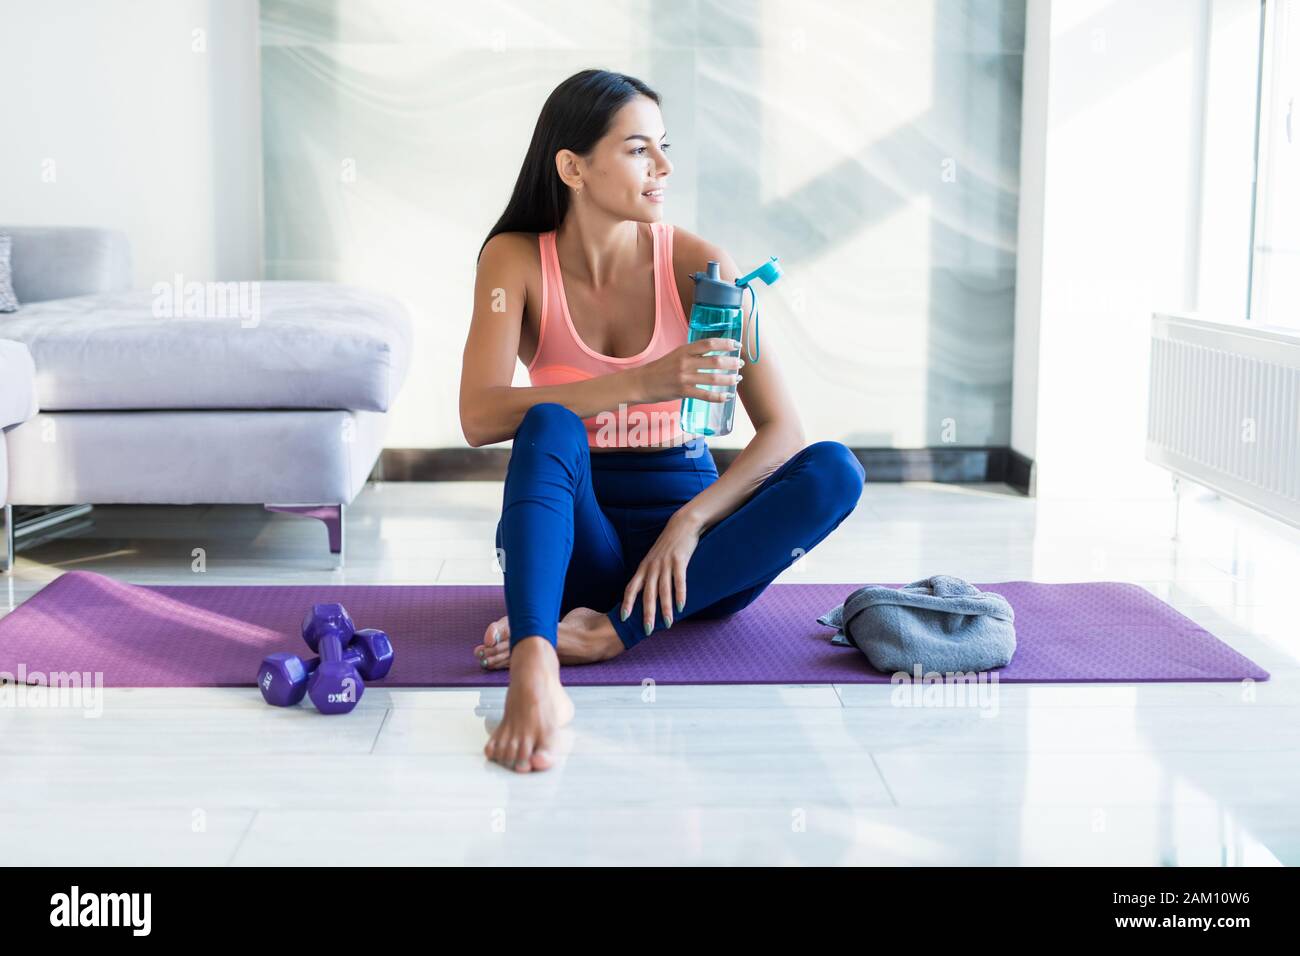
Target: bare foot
(536, 708)
(583, 636)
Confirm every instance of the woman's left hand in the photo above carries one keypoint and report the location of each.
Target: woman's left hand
(663, 571)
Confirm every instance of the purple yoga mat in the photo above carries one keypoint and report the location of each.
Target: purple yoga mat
(181, 636)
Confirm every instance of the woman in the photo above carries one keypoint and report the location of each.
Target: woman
(612, 517)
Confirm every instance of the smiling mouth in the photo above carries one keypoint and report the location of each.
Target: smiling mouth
(654, 193)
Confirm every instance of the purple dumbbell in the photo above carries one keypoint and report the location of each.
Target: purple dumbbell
(336, 686)
(283, 677)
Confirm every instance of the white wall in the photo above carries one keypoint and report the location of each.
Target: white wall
(1115, 186)
(111, 117)
(1029, 238)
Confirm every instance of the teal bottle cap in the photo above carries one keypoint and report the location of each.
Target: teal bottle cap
(769, 272)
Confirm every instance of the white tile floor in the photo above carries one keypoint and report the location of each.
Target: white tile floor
(1063, 774)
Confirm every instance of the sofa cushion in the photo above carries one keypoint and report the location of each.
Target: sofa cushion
(8, 300)
(57, 262)
(270, 344)
(17, 384)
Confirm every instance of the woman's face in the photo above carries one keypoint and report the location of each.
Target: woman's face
(626, 174)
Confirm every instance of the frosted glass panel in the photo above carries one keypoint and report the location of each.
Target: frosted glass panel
(873, 146)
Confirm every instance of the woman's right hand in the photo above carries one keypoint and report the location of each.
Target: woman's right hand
(677, 374)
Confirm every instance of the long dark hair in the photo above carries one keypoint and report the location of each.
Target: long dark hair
(575, 116)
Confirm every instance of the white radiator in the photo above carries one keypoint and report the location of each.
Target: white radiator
(1224, 409)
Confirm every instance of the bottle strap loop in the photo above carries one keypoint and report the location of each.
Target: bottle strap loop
(753, 320)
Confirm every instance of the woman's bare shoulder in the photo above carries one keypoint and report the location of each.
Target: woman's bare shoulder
(512, 248)
(692, 253)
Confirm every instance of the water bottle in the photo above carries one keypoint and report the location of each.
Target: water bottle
(717, 313)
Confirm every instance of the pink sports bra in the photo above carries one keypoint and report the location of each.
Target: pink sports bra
(563, 358)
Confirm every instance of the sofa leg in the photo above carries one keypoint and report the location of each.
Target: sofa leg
(7, 562)
(332, 515)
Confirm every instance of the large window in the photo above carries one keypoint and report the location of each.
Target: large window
(1275, 255)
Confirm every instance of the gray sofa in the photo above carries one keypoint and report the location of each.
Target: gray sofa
(273, 393)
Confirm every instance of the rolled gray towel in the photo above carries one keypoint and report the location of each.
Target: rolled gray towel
(940, 623)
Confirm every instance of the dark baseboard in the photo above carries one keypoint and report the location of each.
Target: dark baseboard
(442, 464)
(951, 465)
(1021, 473)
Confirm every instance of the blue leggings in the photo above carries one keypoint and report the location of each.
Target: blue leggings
(575, 525)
